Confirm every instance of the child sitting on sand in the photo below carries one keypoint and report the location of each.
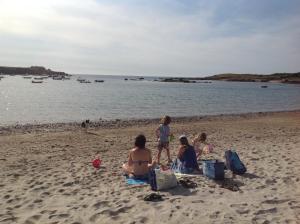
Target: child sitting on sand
(186, 161)
(163, 134)
(140, 159)
(200, 141)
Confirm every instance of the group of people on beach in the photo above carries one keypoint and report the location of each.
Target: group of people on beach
(140, 157)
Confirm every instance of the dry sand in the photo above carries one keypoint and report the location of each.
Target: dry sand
(47, 177)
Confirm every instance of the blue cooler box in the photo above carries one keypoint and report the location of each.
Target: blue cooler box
(213, 169)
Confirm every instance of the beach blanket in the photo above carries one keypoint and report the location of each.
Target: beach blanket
(132, 181)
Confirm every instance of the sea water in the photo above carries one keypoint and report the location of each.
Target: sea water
(65, 101)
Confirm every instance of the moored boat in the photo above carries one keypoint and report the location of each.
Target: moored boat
(38, 78)
(85, 81)
(57, 78)
(37, 81)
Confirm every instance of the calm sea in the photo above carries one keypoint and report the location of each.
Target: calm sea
(64, 101)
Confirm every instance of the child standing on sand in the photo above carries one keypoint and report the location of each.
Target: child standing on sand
(163, 134)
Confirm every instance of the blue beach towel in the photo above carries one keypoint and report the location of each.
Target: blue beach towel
(132, 181)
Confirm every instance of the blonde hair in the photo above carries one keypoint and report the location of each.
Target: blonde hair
(165, 120)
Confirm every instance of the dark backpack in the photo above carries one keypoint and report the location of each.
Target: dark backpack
(234, 163)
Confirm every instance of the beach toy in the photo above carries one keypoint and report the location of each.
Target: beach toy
(96, 163)
(171, 138)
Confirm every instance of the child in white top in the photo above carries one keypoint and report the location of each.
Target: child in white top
(163, 134)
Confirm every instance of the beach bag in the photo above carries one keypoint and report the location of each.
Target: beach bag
(162, 179)
(234, 163)
(213, 169)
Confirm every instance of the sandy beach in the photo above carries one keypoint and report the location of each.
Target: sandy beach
(47, 176)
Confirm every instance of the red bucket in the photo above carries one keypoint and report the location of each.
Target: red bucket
(96, 163)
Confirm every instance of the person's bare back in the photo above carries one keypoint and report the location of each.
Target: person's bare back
(139, 160)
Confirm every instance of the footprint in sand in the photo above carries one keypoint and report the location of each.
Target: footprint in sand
(11, 219)
(100, 204)
(63, 215)
(44, 194)
(33, 219)
(6, 196)
(9, 201)
(275, 201)
(270, 181)
(242, 211)
(266, 211)
(18, 206)
(143, 220)
(198, 201)
(260, 187)
(109, 212)
(240, 208)
(215, 214)
(38, 201)
(238, 205)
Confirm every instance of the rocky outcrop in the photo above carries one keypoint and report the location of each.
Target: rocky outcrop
(33, 70)
(276, 77)
(292, 78)
(183, 80)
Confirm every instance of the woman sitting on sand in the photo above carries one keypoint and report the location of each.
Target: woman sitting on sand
(140, 159)
(201, 146)
(186, 161)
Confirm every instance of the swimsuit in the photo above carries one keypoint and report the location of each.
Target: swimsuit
(140, 162)
(143, 176)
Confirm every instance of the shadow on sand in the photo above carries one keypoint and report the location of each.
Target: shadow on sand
(180, 190)
(250, 175)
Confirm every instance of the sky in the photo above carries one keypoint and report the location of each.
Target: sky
(152, 38)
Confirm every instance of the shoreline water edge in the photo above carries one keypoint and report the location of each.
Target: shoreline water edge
(124, 123)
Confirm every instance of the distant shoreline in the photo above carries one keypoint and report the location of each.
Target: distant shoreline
(288, 78)
(124, 123)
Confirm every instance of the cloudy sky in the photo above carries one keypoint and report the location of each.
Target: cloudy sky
(142, 37)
